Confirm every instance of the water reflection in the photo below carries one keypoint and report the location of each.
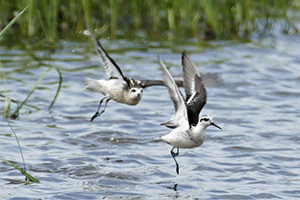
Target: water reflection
(175, 187)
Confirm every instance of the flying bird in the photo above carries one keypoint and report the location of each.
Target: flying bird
(186, 133)
(118, 87)
(195, 91)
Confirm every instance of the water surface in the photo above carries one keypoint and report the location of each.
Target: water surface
(253, 94)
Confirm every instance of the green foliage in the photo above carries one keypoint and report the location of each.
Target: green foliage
(28, 178)
(7, 100)
(52, 32)
(16, 113)
(211, 18)
(24, 172)
(48, 18)
(58, 89)
(12, 22)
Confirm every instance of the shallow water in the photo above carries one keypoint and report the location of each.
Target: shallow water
(253, 94)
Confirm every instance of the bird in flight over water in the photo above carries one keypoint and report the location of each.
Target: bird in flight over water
(118, 87)
(195, 91)
(186, 133)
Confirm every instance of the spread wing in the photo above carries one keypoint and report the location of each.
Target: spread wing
(149, 83)
(180, 117)
(111, 67)
(194, 88)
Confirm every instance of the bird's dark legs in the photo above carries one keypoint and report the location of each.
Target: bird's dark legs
(174, 155)
(107, 100)
(97, 114)
(177, 153)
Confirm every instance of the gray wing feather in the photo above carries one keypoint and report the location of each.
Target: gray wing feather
(111, 67)
(180, 117)
(196, 95)
(189, 73)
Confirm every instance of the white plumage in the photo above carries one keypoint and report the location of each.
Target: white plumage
(186, 134)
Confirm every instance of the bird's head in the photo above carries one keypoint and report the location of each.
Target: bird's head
(135, 94)
(207, 120)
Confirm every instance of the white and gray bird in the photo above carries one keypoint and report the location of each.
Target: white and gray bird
(118, 87)
(186, 133)
(195, 93)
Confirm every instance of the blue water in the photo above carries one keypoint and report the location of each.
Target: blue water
(253, 94)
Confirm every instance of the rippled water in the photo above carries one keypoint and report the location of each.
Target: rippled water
(253, 94)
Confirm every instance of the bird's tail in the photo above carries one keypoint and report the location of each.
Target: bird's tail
(158, 139)
(92, 85)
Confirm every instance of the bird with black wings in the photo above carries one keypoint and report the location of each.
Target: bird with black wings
(117, 87)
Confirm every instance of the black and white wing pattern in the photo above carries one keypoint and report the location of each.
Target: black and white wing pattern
(180, 117)
(149, 83)
(111, 67)
(194, 88)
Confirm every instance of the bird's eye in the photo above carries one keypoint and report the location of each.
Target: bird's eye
(204, 119)
(141, 91)
(133, 90)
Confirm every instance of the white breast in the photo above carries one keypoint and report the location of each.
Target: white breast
(114, 89)
(184, 138)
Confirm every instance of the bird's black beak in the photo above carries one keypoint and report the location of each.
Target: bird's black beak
(216, 126)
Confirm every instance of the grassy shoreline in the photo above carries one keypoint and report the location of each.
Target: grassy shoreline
(206, 19)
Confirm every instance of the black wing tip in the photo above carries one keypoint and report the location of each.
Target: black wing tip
(184, 55)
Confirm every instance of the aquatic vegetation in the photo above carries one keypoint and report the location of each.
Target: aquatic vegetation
(58, 89)
(8, 100)
(28, 178)
(12, 21)
(202, 19)
(15, 114)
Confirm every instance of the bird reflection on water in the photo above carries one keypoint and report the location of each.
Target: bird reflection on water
(174, 187)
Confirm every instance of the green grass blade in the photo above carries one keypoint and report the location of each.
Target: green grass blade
(18, 145)
(18, 102)
(15, 114)
(7, 100)
(28, 176)
(12, 22)
(58, 89)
